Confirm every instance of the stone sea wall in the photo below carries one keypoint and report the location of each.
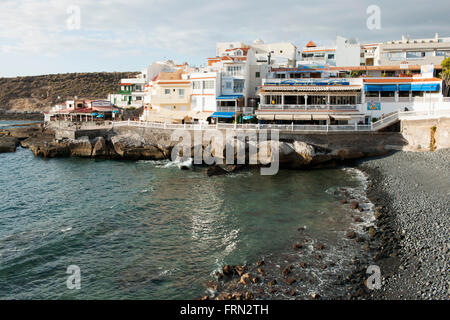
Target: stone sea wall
(426, 135)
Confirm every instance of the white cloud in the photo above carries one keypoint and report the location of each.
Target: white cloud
(169, 27)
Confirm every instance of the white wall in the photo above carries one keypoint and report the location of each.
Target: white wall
(347, 54)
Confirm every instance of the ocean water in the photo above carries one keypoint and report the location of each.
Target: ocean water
(147, 230)
(9, 124)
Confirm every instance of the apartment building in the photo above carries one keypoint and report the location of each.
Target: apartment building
(431, 51)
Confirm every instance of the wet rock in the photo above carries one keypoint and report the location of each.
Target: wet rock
(272, 290)
(240, 270)
(287, 270)
(297, 246)
(354, 205)
(320, 246)
(344, 201)
(227, 270)
(261, 271)
(292, 293)
(303, 265)
(260, 263)
(318, 257)
(219, 276)
(215, 171)
(359, 220)
(245, 279)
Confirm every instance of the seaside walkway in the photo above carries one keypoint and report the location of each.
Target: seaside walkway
(376, 126)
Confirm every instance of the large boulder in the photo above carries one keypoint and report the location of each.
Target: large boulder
(134, 147)
(102, 149)
(81, 147)
(51, 150)
(8, 144)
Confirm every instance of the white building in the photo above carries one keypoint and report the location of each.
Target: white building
(345, 53)
(414, 51)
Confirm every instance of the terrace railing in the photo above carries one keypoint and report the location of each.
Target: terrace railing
(306, 107)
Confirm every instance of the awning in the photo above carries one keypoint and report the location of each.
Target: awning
(341, 117)
(425, 87)
(283, 117)
(302, 117)
(229, 97)
(265, 116)
(320, 117)
(372, 87)
(227, 115)
(404, 87)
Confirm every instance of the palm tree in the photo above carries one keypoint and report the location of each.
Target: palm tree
(445, 75)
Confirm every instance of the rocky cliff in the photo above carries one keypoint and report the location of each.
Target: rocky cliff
(40, 93)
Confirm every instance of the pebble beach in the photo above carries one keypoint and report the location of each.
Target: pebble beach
(412, 194)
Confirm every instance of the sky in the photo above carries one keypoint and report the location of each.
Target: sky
(59, 36)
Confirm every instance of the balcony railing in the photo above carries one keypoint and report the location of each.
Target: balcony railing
(233, 109)
(306, 107)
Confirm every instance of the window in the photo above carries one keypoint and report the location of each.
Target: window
(395, 56)
(257, 74)
(415, 55)
(138, 98)
(238, 85)
(228, 85)
(208, 84)
(196, 85)
(166, 91)
(443, 53)
(181, 92)
(331, 56)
